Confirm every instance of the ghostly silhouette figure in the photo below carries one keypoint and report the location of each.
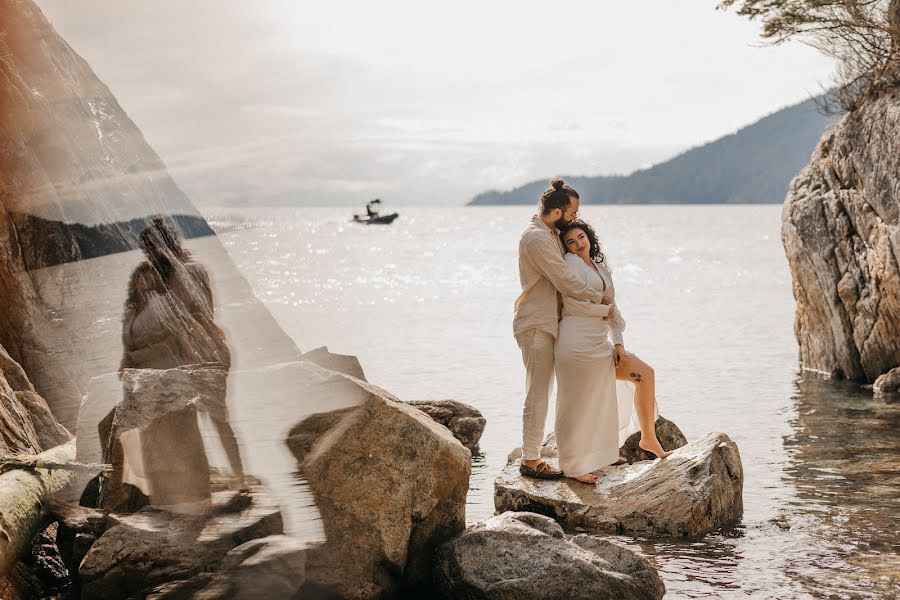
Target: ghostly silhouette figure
(168, 323)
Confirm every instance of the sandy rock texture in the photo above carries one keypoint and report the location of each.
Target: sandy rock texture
(390, 485)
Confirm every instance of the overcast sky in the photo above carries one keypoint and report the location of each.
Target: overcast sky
(416, 101)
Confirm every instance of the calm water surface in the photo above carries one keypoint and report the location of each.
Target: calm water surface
(426, 305)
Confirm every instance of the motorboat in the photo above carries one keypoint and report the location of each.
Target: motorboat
(373, 215)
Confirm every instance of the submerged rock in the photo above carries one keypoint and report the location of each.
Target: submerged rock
(889, 383)
(841, 234)
(694, 491)
(141, 551)
(524, 555)
(390, 485)
(464, 421)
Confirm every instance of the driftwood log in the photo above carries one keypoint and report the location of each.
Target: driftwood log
(23, 496)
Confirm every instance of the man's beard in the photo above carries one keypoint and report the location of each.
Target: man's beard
(561, 223)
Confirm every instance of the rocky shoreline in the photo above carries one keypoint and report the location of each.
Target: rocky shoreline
(390, 480)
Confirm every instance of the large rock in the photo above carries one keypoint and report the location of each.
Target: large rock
(841, 235)
(694, 491)
(391, 486)
(142, 551)
(464, 421)
(524, 555)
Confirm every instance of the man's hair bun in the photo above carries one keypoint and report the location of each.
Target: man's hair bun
(557, 183)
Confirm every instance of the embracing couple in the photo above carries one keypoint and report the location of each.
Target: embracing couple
(604, 393)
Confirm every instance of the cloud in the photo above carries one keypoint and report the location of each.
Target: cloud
(287, 102)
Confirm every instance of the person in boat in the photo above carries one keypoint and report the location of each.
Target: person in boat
(371, 208)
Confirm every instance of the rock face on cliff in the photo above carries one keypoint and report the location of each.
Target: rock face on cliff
(77, 180)
(390, 485)
(524, 555)
(841, 234)
(26, 424)
(695, 490)
(69, 154)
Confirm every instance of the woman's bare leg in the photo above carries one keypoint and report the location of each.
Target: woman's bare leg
(633, 369)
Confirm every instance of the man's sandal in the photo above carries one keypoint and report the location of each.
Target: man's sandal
(541, 471)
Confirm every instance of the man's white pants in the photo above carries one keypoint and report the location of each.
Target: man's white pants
(537, 354)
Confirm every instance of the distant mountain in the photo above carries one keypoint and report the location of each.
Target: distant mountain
(46, 243)
(753, 165)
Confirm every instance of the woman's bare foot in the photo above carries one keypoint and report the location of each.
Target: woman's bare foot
(654, 446)
(586, 478)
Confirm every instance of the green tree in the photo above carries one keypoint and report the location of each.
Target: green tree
(862, 35)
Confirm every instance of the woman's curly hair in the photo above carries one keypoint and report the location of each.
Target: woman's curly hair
(596, 253)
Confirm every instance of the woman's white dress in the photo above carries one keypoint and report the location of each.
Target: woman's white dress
(595, 413)
(167, 459)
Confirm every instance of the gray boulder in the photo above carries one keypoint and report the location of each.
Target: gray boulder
(390, 485)
(694, 491)
(464, 421)
(524, 555)
(668, 434)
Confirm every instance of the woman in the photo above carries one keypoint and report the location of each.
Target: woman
(169, 323)
(600, 385)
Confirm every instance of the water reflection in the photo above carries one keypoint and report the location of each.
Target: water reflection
(844, 461)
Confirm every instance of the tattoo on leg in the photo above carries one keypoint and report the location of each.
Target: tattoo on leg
(635, 376)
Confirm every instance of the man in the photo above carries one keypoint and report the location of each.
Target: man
(543, 274)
